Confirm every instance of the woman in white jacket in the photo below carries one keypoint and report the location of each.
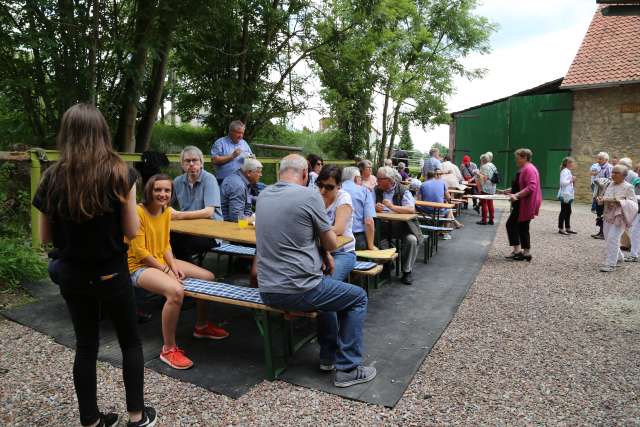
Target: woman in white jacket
(565, 195)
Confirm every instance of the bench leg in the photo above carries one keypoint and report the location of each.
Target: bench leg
(268, 331)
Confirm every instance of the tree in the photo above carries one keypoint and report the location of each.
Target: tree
(444, 150)
(418, 63)
(241, 60)
(406, 143)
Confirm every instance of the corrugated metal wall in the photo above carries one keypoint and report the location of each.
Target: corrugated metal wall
(541, 123)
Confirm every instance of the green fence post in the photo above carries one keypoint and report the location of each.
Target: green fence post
(35, 180)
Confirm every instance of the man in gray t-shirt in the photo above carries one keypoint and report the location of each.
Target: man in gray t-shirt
(290, 218)
(290, 270)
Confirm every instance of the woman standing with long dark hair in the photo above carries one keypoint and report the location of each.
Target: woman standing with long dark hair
(88, 204)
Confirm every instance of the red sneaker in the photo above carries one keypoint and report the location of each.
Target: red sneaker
(175, 358)
(210, 331)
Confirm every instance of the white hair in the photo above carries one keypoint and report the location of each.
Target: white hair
(294, 163)
(626, 162)
(484, 158)
(389, 172)
(401, 165)
(489, 156)
(603, 155)
(622, 169)
(433, 151)
(388, 162)
(349, 173)
(191, 149)
(251, 165)
(235, 125)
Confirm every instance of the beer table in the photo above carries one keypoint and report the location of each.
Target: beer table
(226, 230)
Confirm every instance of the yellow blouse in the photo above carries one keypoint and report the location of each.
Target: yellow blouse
(152, 238)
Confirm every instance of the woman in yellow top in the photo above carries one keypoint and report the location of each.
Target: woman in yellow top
(154, 268)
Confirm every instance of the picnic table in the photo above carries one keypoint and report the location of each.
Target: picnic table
(490, 196)
(226, 230)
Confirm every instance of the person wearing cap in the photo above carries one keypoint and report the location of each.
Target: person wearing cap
(468, 170)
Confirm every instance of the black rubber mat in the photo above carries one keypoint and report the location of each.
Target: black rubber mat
(403, 324)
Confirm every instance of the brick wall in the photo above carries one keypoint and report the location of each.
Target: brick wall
(599, 125)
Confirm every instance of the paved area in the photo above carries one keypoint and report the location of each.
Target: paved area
(552, 341)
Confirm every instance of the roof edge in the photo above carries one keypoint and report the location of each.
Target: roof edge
(600, 85)
(541, 89)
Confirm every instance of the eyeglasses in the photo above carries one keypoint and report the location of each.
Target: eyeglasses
(328, 187)
(191, 161)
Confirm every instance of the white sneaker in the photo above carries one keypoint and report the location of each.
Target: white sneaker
(630, 258)
(607, 268)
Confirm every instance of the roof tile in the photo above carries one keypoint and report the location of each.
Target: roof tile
(609, 54)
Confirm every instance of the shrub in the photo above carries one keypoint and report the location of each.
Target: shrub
(19, 262)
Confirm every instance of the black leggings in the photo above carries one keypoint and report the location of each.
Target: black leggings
(517, 231)
(564, 219)
(87, 297)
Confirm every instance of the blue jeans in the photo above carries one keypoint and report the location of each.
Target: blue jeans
(343, 308)
(343, 264)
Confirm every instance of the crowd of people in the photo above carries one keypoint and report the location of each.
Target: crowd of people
(616, 191)
(108, 244)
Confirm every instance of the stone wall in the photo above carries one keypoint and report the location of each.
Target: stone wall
(599, 124)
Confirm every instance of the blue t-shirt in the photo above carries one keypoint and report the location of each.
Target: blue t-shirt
(433, 190)
(430, 165)
(201, 194)
(363, 204)
(223, 147)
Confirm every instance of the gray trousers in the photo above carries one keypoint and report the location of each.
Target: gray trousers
(409, 251)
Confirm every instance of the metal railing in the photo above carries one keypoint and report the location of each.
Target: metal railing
(38, 157)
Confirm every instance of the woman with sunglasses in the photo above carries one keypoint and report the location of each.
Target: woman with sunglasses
(315, 164)
(340, 211)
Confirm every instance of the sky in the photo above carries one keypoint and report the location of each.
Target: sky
(535, 42)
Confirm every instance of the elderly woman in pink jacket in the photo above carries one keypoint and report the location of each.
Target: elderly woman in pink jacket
(526, 198)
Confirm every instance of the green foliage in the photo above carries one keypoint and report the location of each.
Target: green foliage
(19, 262)
(237, 60)
(444, 150)
(172, 139)
(15, 202)
(405, 136)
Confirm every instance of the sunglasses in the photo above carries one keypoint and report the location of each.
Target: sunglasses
(328, 187)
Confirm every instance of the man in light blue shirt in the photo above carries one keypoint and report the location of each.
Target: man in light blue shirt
(364, 209)
(197, 196)
(236, 190)
(432, 163)
(228, 153)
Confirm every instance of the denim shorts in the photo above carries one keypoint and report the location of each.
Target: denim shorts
(135, 276)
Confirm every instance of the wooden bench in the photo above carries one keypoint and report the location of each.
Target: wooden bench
(380, 256)
(432, 232)
(275, 325)
(232, 251)
(365, 271)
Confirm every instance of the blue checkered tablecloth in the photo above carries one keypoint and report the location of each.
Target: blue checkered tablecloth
(228, 248)
(364, 265)
(434, 228)
(224, 290)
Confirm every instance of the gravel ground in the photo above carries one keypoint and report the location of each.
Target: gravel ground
(548, 342)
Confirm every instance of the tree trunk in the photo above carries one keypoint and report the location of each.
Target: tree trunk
(166, 27)
(93, 52)
(132, 85)
(383, 140)
(394, 129)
